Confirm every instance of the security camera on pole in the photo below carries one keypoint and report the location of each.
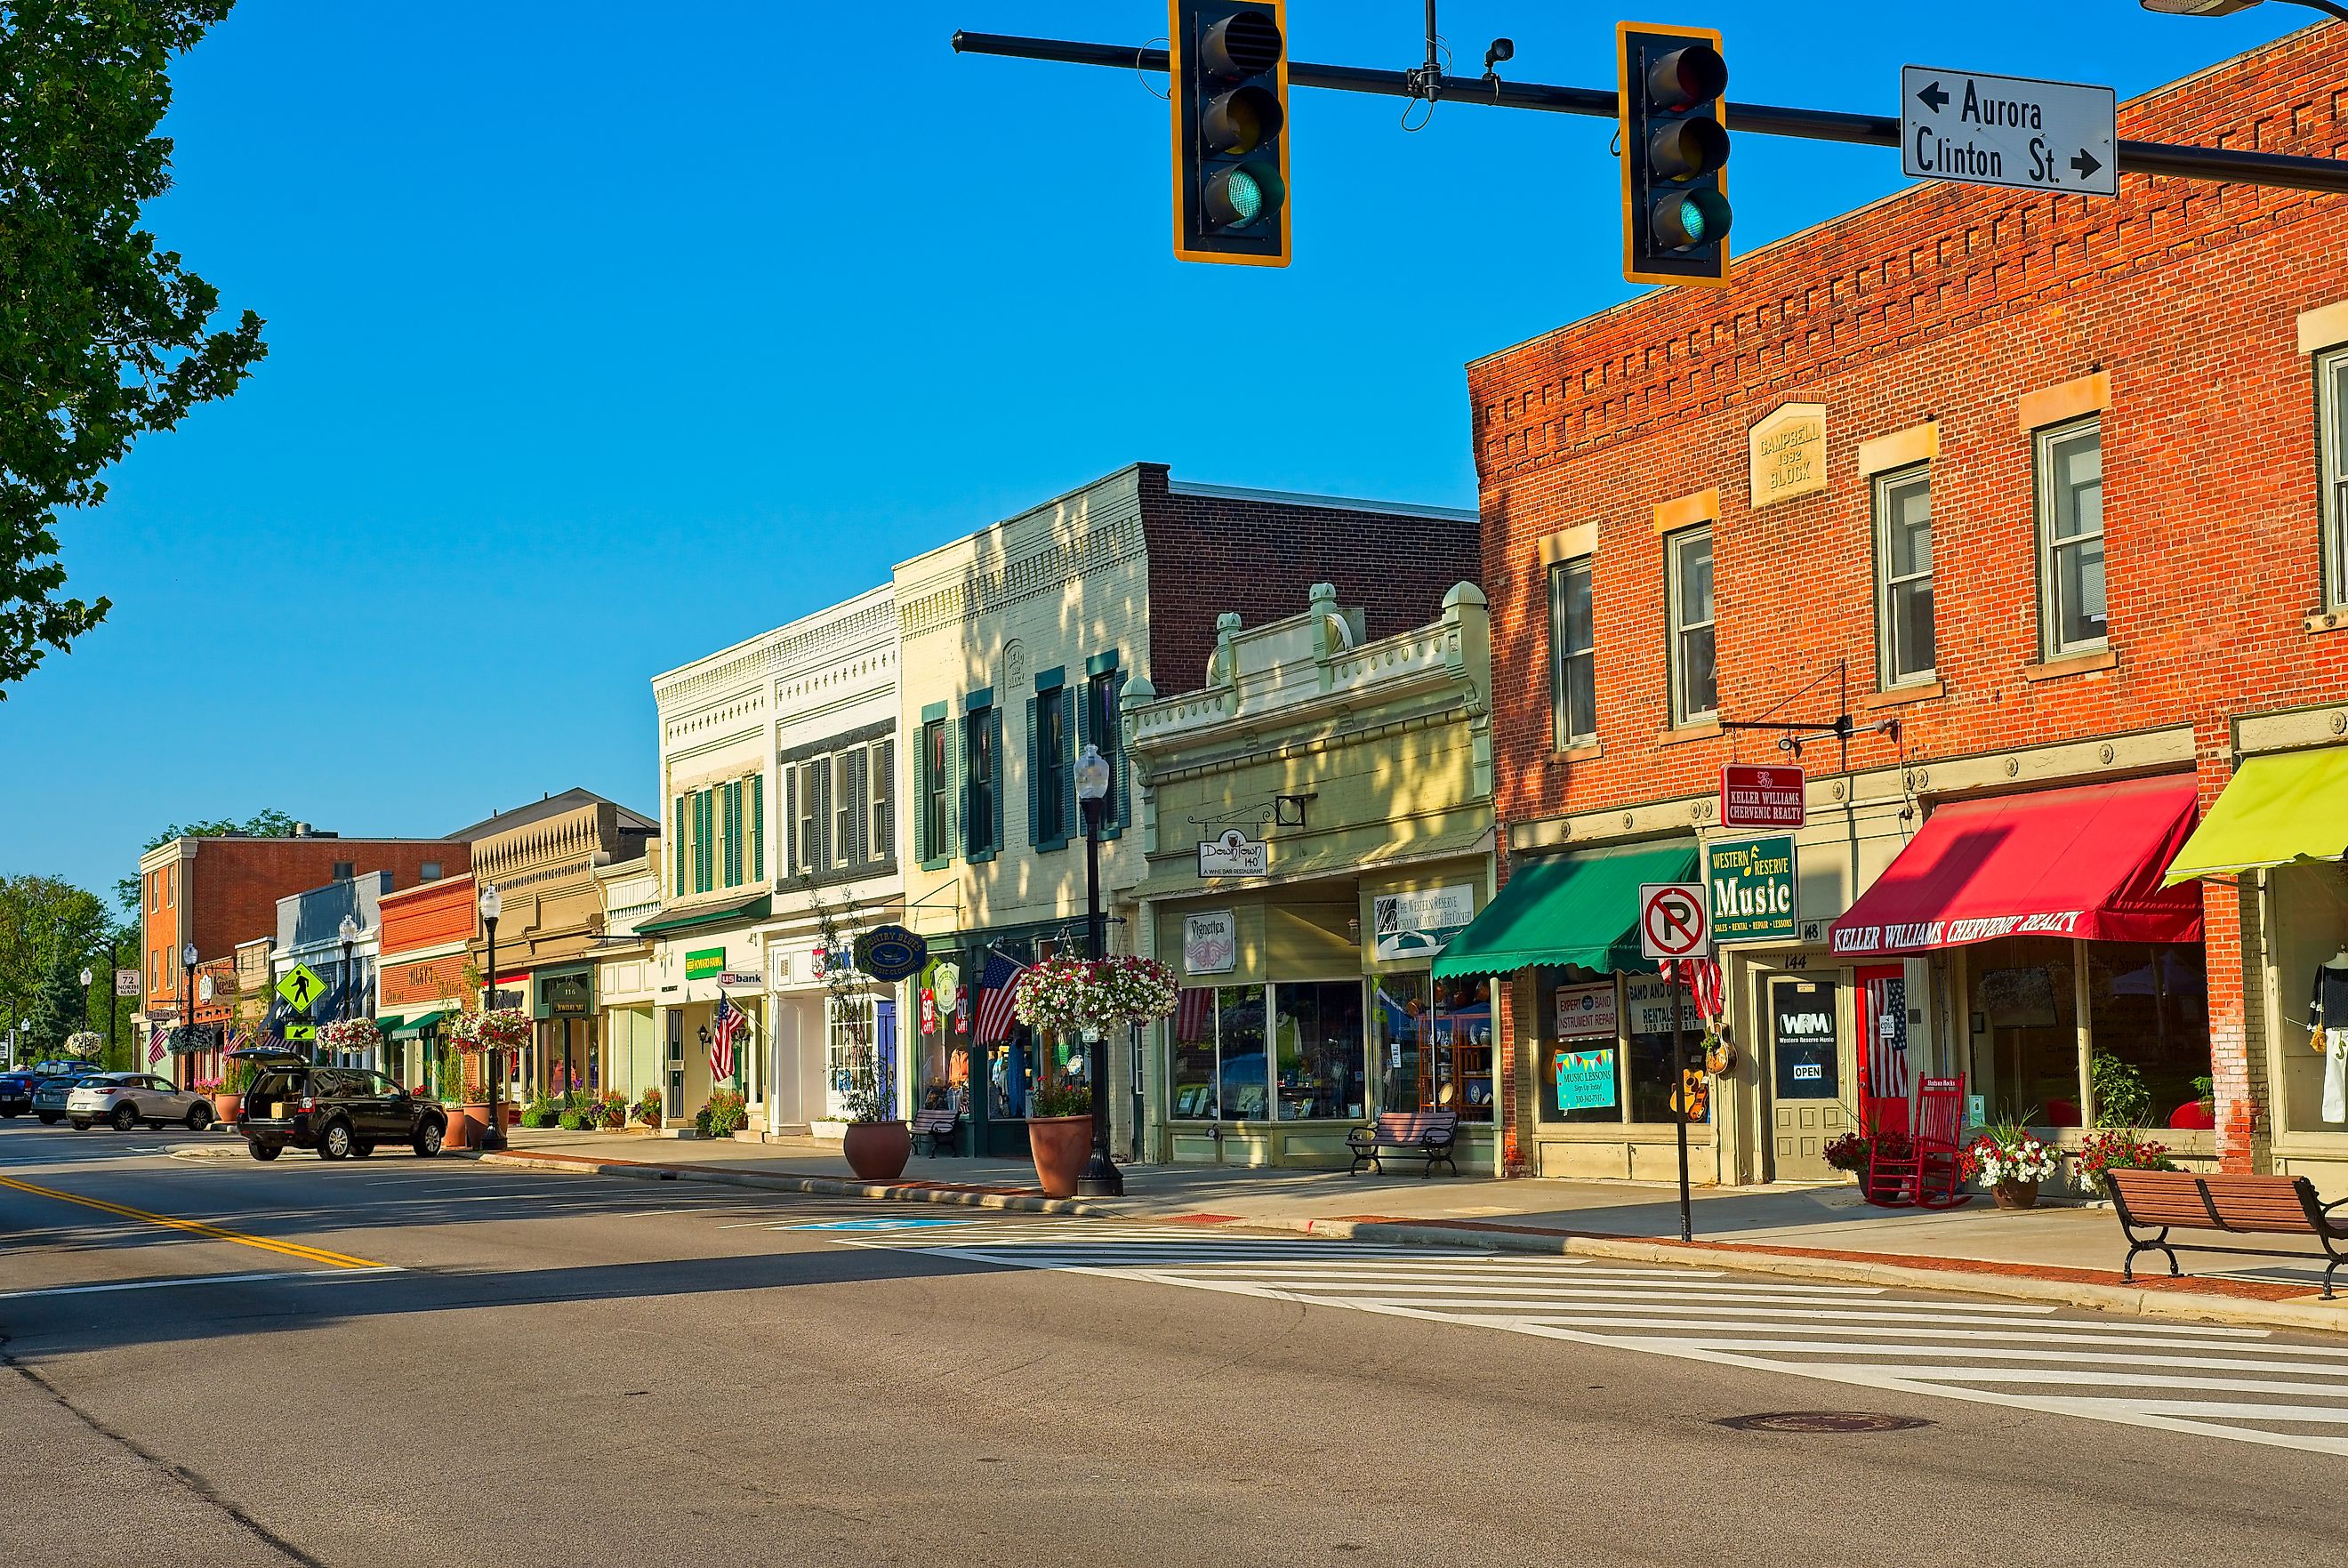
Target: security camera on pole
(1675, 928)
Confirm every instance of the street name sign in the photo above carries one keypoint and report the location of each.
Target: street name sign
(125, 982)
(300, 987)
(2009, 131)
(1674, 921)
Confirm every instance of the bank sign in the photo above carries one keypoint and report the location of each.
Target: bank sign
(705, 964)
(1751, 882)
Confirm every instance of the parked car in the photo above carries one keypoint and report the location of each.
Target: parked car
(338, 1111)
(16, 1086)
(125, 1100)
(49, 1094)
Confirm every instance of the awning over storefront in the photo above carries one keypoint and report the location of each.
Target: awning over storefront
(2277, 809)
(1578, 909)
(748, 909)
(387, 1026)
(2085, 861)
(407, 1029)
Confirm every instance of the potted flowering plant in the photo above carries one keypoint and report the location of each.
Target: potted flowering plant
(2119, 1149)
(488, 1031)
(1850, 1153)
(2012, 1164)
(350, 1035)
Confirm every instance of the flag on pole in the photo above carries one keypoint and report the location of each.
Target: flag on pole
(1887, 1034)
(1702, 978)
(154, 1045)
(727, 1023)
(995, 985)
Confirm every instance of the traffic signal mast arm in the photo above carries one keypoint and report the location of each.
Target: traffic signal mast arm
(2172, 159)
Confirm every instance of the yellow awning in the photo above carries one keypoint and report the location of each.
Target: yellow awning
(2293, 806)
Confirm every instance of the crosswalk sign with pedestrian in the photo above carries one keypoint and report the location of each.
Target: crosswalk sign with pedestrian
(300, 987)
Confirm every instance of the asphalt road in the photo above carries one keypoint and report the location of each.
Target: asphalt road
(427, 1362)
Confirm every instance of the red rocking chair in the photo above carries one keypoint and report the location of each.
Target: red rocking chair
(1939, 1123)
(1893, 1174)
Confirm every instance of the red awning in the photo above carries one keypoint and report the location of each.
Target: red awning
(2085, 861)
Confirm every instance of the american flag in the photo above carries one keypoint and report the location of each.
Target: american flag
(154, 1045)
(995, 984)
(729, 1021)
(1194, 1013)
(1887, 1034)
(1702, 978)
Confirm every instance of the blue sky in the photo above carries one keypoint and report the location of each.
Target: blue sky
(604, 336)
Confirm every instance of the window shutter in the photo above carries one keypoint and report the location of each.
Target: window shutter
(922, 848)
(758, 827)
(1070, 826)
(994, 761)
(676, 855)
(884, 801)
(958, 797)
(859, 819)
(791, 820)
(823, 814)
(1034, 772)
(1119, 786)
(729, 795)
(709, 867)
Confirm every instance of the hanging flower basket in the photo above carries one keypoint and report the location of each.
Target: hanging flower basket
(498, 1030)
(350, 1035)
(1072, 995)
(84, 1043)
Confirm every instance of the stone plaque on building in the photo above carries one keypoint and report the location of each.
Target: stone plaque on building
(1787, 450)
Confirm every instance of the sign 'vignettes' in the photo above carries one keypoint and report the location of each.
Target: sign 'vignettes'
(1751, 884)
(1211, 942)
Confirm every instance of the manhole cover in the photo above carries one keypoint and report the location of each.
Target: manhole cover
(1822, 1421)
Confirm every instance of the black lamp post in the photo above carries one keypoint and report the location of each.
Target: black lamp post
(1101, 1177)
(349, 931)
(186, 997)
(87, 977)
(492, 1062)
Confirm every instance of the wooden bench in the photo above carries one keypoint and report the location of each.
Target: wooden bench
(1425, 1135)
(2159, 1201)
(940, 1125)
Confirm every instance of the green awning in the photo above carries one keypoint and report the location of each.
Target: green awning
(387, 1025)
(2290, 807)
(410, 1028)
(748, 909)
(1580, 909)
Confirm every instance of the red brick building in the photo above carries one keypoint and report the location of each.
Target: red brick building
(2056, 484)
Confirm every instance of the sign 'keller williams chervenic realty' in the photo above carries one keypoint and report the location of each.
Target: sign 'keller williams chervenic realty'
(1751, 884)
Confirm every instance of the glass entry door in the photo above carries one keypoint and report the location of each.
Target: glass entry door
(1804, 1019)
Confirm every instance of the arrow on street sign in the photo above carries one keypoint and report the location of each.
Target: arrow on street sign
(2020, 132)
(297, 1032)
(1674, 920)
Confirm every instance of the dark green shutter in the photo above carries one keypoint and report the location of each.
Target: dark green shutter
(704, 834)
(758, 827)
(1035, 770)
(1070, 828)
(923, 847)
(995, 764)
(1120, 783)
(884, 802)
(790, 822)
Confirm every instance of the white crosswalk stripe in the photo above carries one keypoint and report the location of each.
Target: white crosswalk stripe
(2240, 1384)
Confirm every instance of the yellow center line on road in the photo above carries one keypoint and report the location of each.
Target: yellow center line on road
(196, 1227)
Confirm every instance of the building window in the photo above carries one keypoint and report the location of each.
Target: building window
(1573, 662)
(935, 824)
(730, 794)
(1903, 575)
(1695, 689)
(2071, 536)
(813, 776)
(2147, 1030)
(882, 771)
(1432, 1040)
(429, 871)
(982, 824)
(345, 871)
(1104, 726)
(1050, 790)
(758, 826)
(847, 802)
(2331, 391)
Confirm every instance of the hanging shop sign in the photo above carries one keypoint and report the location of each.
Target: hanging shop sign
(1752, 797)
(1422, 923)
(1586, 1012)
(705, 964)
(890, 952)
(1586, 1080)
(1234, 855)
(1211, 942)
(1752, 888)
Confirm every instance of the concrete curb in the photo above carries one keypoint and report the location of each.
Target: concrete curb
(2187, 1307)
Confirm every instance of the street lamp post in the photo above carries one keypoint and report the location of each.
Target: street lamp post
(188, 996)
(86, 978)
(2227, 8)
(492, 906)
(1101, 1177)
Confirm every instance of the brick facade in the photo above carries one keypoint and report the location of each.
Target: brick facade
(1948, 304)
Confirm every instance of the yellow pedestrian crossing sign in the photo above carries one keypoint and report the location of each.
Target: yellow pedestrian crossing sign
(300, 987)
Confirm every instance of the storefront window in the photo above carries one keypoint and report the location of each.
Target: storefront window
(1580, 1061)
(1245, 1093)
(2022, 992)
(1319, 1041)
(848, 1061)
(1654, 1075)
(2308, 910)
(2149, 1019)
(1434, 1042)
(1398, 1013)
(1194, 1055)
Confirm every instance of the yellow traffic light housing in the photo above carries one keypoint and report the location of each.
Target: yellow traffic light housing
(1675, 212)
(1230, 76)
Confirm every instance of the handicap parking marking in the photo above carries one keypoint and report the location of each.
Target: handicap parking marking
(884, 1224)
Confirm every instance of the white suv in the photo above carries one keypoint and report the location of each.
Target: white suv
(125, 1100)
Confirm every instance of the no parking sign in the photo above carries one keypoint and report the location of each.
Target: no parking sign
(1674, 921)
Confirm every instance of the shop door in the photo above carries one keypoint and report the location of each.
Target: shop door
(675, 1066)
(1806, 1110)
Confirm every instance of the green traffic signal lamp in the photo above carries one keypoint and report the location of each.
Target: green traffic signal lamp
(1229, 69)
(1676, 213)
(1687, 219)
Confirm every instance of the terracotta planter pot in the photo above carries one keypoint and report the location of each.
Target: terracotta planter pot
(2015, 1194)
(475, 1121)
(1060, 1145)
(228, 1106)
(876, 1151)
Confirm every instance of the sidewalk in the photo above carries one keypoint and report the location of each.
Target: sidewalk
(2068, 1255)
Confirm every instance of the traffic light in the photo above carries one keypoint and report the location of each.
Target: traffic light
(1230, 73)
(1675, 216)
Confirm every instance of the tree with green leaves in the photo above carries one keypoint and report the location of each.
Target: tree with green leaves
(104, 335)
(49, 928)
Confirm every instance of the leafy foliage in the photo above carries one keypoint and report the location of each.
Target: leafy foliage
(2121, 1097)
(103, 332)
(728, 1113)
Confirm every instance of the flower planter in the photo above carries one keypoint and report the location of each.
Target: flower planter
(876, 1151)
(228, 1106)
(1060, 1145)
(2015, 1194)
(462, 1131)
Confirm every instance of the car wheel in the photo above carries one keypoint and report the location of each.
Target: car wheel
(336, 1142)
(81, 1124)
(261, 1150)
(124, 1118)
(199, 1116)
(427, 1139)
(51, 1118)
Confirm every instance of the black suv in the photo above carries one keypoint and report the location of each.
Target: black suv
(338, 1111)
